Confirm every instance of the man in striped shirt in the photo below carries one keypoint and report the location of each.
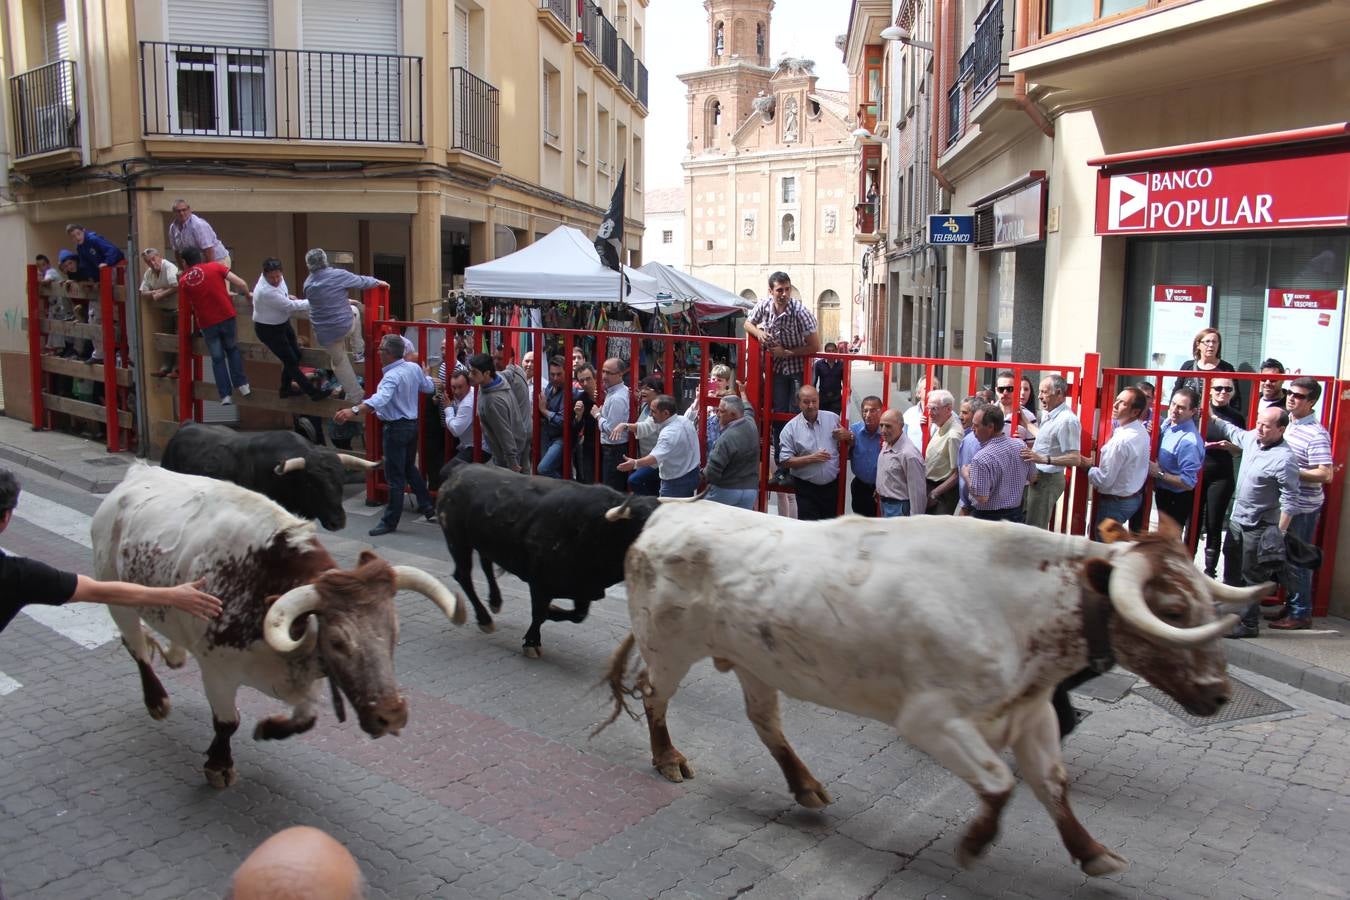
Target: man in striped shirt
(1311, 445)
(997, 475)
(787, 329)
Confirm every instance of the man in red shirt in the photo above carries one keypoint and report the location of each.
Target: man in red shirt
(202, 285)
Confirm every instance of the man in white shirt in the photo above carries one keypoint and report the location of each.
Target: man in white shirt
(1120, 474)
(675, 454)
(807, 447)
(273, 307)
(1057, 441)
(459, 417)
(159, 284)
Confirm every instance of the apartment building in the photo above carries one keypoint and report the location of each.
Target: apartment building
(409, 138)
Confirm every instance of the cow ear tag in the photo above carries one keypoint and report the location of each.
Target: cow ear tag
(1111, 531)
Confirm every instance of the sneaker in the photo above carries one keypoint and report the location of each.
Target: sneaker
(358, 358)
(429, 513)
(245, 390)
(226, 401)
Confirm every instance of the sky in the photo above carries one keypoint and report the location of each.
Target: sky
(676, 39)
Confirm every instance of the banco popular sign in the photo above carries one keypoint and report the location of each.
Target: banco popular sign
(1311, 190)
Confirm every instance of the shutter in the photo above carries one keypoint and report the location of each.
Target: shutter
(239, 23)
(462, 58)
(355, 88)
(54, 36)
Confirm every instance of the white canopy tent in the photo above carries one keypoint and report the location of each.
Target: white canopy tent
(710, 301)
(562, 265)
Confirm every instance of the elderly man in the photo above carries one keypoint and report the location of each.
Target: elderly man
(942, 459)
(612, 411)
(202, 285)
(732, 471)
(498, 415)
(1181, 455)
(864, 440)
(1058, 442)
(1267, 497)
(901, 486)
(330, 312)
(675, 454)
(807, 447)
(1122, 469)
(300, 863)
(1311, 446)
(788, 330)
(190, 230)
(159, 285)
(997, 475)
(395, 402)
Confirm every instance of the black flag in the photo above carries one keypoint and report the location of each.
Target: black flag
(609, 239)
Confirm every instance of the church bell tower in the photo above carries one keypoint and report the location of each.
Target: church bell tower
(721, 95)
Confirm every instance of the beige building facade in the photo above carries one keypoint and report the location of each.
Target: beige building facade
(770, 171)
(415, 138)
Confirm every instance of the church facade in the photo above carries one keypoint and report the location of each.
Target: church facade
(771, 172)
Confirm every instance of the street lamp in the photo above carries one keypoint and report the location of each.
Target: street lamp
(901, 36)
(862, 134)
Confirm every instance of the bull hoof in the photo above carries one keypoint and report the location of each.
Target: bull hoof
(160, 710)
(814, 799)
(1107, 863)
(534, 653)
(221, 778)
(676, 770)
(968, 853)
(487, 627)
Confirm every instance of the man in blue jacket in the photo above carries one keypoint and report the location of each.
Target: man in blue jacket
(94, 250)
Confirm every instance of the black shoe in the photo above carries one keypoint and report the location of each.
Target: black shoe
(1243, 630)
(429, 513)
(380, 529)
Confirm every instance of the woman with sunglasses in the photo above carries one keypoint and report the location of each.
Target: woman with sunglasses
(1218, 474)
(1206, 356)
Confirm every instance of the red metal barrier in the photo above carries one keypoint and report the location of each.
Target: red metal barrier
(36, 315)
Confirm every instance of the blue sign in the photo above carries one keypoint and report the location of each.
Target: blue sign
(951, 229)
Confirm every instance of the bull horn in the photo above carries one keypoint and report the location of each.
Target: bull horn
(355, 462)
(451, 600)
(286, 609)
(294, 464)
(1241, 596)
(694, 499)
(622, 511)
(1126, 590)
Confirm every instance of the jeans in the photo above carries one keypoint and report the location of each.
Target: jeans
(742, 497)
(863, 494)
(226, 363)
(646, 482)
(894, 509)
(280, 339)
(400, 469)
(784, 400)
(1042, 496)
(683, 486)
(550, 461)
(1300, 579)
(1119, 509)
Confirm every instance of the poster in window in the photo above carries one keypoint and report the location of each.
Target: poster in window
(1177, 313)
(1303, 330)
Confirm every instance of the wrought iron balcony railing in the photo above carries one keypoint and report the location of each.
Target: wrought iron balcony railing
(45, 104)
(641, 84)
(626, 71)
(269, 94)
(609, 45)
(589, 27)
(987, 50)
(561, 9)
(475, 108)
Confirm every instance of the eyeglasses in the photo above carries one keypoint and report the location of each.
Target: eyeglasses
(1294, 396)
(1005, 389)
(1222, 390)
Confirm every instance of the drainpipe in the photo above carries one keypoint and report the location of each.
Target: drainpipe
(1020, 97)
(939, 95)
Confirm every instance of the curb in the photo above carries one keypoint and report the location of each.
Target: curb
(1288, 670)
(52, 470)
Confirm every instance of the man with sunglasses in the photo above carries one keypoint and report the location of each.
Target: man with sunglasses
(1272, 386)
(1311, 445)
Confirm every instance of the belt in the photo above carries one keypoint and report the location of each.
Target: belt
(1120, 496)
(396, 421)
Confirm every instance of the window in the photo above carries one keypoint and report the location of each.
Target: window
(550, 98)
(583, 126)
(712, 121)
(667, 237)
(220, 92)
(789, 189)
(759, 41)
(787, 232)
(1061, 14)
(602, 157)
(719, 42)
(872, 90)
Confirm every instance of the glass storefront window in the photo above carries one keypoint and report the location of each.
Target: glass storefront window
(1240, 270)
(1062, 14)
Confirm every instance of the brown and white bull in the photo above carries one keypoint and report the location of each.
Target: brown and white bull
(270, 572)
(961, 659)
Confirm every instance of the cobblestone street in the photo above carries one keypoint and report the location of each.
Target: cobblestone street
(494, 788)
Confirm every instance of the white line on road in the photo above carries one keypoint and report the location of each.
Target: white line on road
(8, 685)
(88, 625)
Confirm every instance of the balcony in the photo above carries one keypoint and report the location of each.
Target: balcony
(956, 113)
(258, 93)
(475, 104)
(588, 29)
(609, 50)
(641, 84)
(557, 15)
(45, 104)
(626, 71)
(989, 57)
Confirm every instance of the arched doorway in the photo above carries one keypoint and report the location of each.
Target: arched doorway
(827, 316)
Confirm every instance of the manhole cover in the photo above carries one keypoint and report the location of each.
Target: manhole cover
(105, 461)
(1246, 703)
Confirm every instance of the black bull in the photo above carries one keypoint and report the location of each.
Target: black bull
(305, 479)
(551, 534)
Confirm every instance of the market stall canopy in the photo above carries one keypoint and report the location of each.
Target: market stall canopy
(562, 265)
(710, 301)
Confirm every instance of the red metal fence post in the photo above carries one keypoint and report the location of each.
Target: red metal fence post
(113, 436)
(187, 365)
(1331, 509)
(1089, 389)
(35, 346)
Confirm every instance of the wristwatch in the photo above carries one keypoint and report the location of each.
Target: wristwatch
(356, 410)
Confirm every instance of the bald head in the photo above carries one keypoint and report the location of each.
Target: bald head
(300, 863)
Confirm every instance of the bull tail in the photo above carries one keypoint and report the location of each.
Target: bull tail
(618, 667)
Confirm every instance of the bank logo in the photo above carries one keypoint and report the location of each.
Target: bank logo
(1127, 203)
(951, 225)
